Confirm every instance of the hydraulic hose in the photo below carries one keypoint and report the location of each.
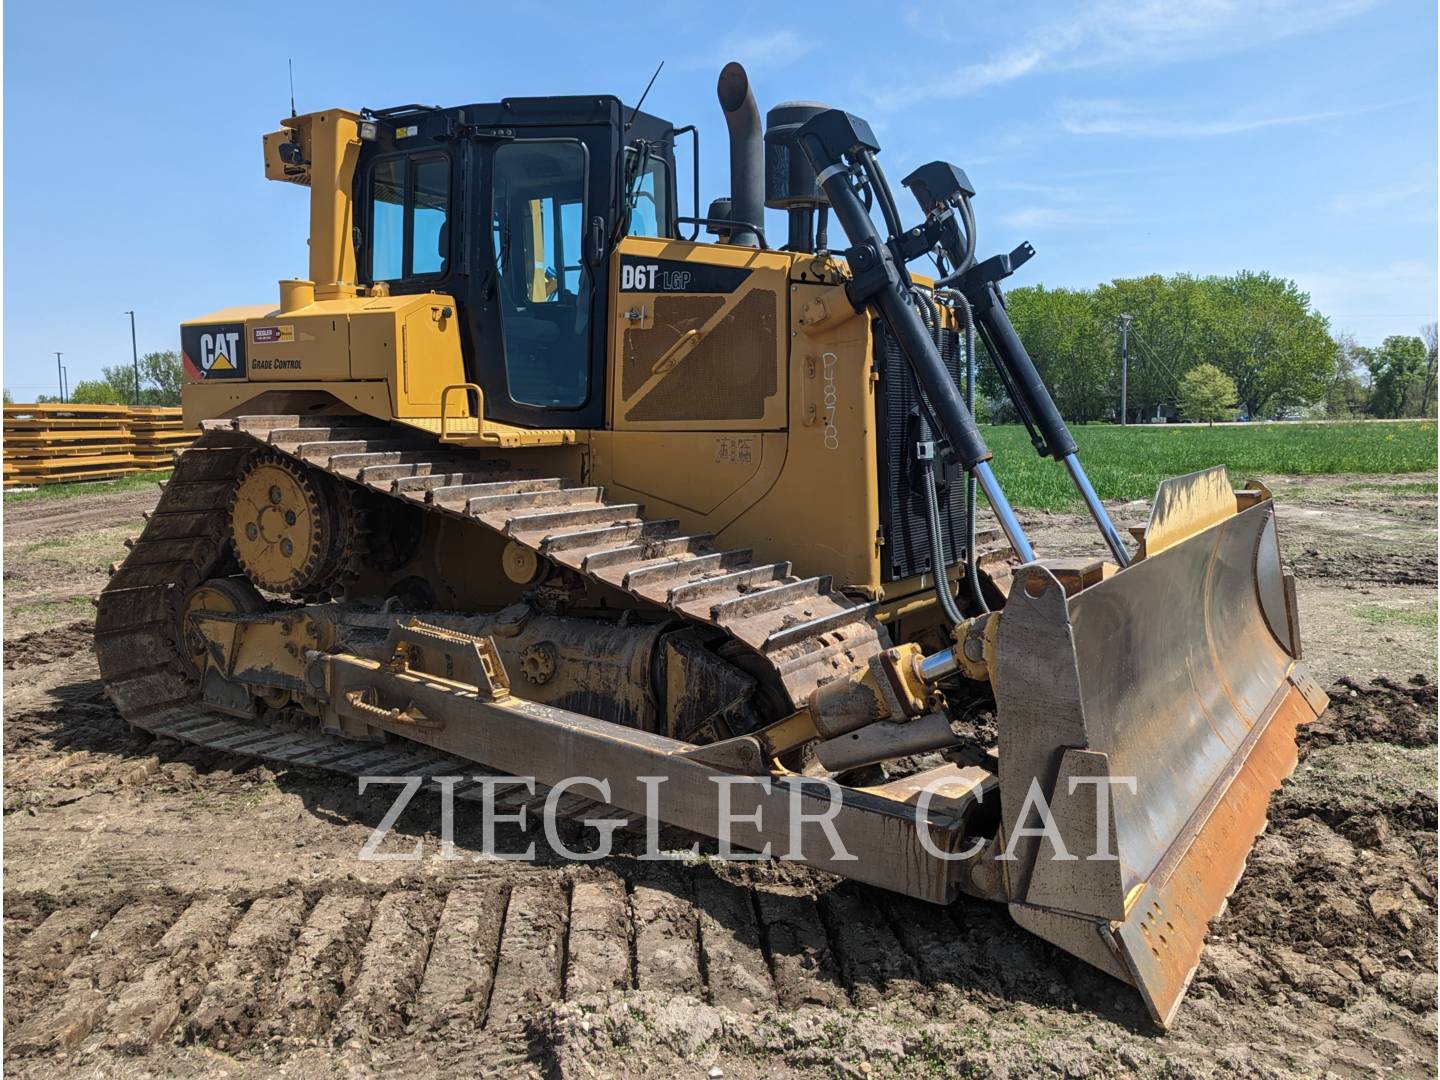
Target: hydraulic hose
(972, 572)
(939, 564)
(830, 140)
(967, 217)
(937, 548)
(888, 210)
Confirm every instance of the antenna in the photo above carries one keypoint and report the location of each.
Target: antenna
(643, 97)
(291, 65)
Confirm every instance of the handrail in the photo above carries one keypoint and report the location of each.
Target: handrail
(726, 224)
(444, 395)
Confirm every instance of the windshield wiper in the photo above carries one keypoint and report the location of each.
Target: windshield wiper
(637, 159)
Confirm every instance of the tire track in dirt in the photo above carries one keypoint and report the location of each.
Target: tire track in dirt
(147, 1009)
(1334, 906)
(874, 965)
(392, 968)
(365, 964)
(801, 960)
(237, 993)
(529, 971)
(323, 962)
(41, 519)
(38, 962)
(461, 966)
(736, 970)
(666, 934)
(116, 953)
(600, 947)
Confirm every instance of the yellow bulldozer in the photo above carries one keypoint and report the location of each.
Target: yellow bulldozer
(529, 475)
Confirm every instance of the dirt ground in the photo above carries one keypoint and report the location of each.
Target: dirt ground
(179, 912)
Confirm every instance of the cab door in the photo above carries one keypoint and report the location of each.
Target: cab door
(540, 307)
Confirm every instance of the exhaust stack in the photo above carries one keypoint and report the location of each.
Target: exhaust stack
(747, 163)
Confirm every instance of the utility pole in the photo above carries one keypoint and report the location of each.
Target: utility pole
(60, 375)
(1125, 368)
(134, 356)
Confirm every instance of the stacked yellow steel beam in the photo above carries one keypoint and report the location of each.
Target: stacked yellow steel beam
(52, 444)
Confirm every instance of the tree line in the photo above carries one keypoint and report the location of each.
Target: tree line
(160, 380)
(1253, 330)
(1209, 347)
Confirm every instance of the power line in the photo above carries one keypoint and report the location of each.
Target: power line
(1164, 366)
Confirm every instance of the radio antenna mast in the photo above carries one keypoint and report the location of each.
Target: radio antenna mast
(291, 65)
(643, 96)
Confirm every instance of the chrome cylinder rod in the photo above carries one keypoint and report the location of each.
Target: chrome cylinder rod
(1001, 506)
(1097, 510)
(936, 666)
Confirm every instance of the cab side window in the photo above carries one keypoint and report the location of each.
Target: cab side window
(649, 195)
(409, 215)
(387, 220)
(431, 203)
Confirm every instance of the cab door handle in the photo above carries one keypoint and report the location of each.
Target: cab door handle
(595, 242)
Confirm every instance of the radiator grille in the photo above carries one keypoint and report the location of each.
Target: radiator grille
(906, 550)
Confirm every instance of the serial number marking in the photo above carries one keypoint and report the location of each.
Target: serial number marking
(832, 400)
(735, 451)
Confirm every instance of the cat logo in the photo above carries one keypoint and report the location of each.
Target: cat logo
(216, 350)
(211, 351)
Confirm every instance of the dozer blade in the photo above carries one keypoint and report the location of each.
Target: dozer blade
(1153, 712)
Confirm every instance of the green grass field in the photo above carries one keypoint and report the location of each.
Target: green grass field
(133, 482)
(1127, 463)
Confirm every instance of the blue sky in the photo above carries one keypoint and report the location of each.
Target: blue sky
(1295, 136)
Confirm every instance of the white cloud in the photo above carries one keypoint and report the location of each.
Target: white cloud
(1050, 217)
(1074, 183)
(1371, 302)
(772, 49)
(1062, 190)
(1137, 32)
(1384, 196)
(1119, 118)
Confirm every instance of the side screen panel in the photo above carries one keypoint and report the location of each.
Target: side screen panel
(698, 339)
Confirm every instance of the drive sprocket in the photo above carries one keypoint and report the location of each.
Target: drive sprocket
(293, 529)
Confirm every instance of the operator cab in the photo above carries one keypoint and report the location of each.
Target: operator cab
(513, 208)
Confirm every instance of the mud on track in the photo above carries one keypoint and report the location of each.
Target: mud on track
(173, 911)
